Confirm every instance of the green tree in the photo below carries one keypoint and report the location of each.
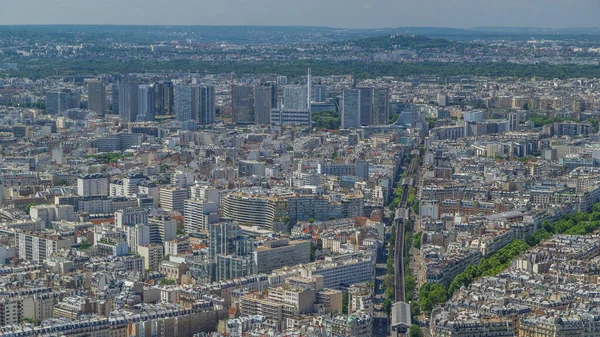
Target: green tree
(387, 306)
(313, 252)
(167, 281)
(417, 240)
(345, 297)
(415, 331)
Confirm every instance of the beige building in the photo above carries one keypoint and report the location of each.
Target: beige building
(152, 255)
(173, 270)
(275, 254)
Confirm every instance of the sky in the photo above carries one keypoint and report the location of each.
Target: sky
(332, 13)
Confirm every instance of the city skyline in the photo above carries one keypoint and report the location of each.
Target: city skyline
(348, 14)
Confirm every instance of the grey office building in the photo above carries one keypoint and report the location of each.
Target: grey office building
(295, 97)
(205, 108)
(97, 97)
(351, 109)
(195, 103)
(366, 106)
(183, 102)
(128, 102)
(320, 93)
(163, 98)
(146, 103)
(61, 101)
(265, 99)
(115, 99)
(381, 107)
(242, 104)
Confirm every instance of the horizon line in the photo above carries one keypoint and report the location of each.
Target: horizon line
(288, 26)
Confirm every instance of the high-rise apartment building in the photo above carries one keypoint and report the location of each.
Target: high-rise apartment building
(205, 109)
(61, 101)
(164, 98)
(195, 103)
(366, 105)
(351, 109)
(514, 119)
(128, 102)
(146, 103)
(115, 99)
(97, 97)
(242, 104)
(265, 99)
(173, 198)
(381, 107)
(295, 97)
(197, 215)
(183, 102)
(37, 247)
(92, 184)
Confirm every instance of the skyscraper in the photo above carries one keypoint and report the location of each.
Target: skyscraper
(128, 101)
(366, 105)
(146, 103)
(351, 109)
(61, 101)
(195, 103)
(115, 99)
(183, 102)
(205, 110)
(265, 99)
(295, 97)
(97, 97)
(163, 98)
(242, 104)
(381, 107)
(320, 93)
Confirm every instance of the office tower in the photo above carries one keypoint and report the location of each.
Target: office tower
(115, 99)
(242, 104)
(366, 106)
(146, 103)
(195, 103)
(97, 97)
(128, 102)
(205, 109)
(164, 98)
(320, 93)
(381, 107)
(61, 101)
(351, 109)
(295, 97)
(183, 102)
(265, 99)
